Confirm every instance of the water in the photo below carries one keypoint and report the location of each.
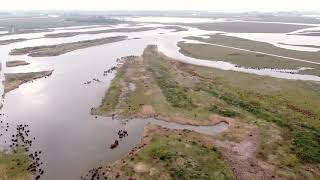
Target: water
(277, 38)
(58, 108)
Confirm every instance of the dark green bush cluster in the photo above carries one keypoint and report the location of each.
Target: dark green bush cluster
(223, 112)
(257, 111)
(307, 145)
(163, 153)
(175, 94)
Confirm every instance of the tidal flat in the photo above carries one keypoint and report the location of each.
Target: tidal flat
(56, 50)
(14, 80)
(16, 63)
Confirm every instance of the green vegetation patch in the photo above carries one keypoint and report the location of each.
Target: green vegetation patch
(14, 165)
(184, 159)
(111, 98)
(56, 50)
(223, 112)
(250, 59)
(175, 94)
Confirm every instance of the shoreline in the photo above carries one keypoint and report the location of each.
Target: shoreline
(14, 80)
(59, 49)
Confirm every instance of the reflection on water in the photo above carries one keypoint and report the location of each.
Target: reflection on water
(277, 38)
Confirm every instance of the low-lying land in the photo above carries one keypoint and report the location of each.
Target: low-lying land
(124, 30)
(6, 42)
(169, 154)
(248, 27)
(56, 50)
(259, 46)
(274, 123)
(298, 45)
(250, 58)
(71, 34)
(14, 80)
(16, 63)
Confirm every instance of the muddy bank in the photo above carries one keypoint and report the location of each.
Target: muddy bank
(14, 80)
(16, 63)
(59, 49)
(124, 30)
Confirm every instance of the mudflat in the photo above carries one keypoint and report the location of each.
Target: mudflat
(16, 63)
(59, 49)
(14, 80)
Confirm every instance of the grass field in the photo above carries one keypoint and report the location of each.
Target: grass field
(286, 112)
(40, 23)
(260, 46)
(59, 49)
(14, 80)
(247, 27)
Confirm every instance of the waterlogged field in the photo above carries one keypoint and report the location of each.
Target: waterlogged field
(232, 97)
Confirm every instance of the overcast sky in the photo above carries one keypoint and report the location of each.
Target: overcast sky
(214, 5)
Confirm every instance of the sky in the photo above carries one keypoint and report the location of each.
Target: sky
(212, 5)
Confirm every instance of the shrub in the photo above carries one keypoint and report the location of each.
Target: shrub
(223, 112)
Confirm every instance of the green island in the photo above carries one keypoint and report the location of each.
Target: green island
(16, 63)
(59, 49)
(273, 132)
(124, 30)
(14, 80)
(247, 27)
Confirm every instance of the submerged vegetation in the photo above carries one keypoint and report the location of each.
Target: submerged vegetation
(111, 99)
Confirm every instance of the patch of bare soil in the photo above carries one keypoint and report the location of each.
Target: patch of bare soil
(147, 111)
(242, 156)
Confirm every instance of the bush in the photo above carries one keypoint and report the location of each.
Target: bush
(223, 112)
(307, 143)
(162, 153)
